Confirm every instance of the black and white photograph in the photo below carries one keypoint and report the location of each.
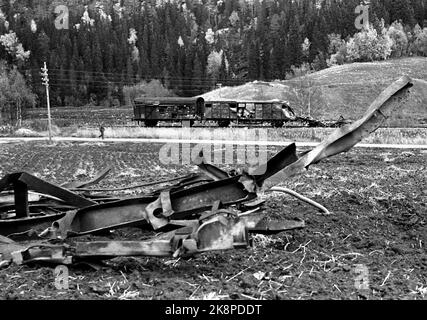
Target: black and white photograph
(213, 155)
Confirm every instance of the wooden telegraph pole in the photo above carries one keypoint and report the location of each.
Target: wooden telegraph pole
(45, 81)
(309, 99)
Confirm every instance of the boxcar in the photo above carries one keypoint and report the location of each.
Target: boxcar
(151, 110)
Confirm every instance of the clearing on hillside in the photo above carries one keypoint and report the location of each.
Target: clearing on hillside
(345, 90)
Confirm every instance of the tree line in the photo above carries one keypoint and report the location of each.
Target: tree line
(192, 46)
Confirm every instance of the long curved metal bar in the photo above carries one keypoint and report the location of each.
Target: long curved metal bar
(157, 211)
(344, 138)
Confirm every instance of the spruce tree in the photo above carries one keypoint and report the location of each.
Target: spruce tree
(294, 51)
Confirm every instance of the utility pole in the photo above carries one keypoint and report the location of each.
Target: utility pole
(45, 81)
(309, 99)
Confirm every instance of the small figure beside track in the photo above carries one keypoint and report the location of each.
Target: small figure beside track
(101, 130)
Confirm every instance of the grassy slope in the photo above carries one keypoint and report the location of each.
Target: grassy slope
(345, 90)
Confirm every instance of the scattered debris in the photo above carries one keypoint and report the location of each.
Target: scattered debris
(214, 210)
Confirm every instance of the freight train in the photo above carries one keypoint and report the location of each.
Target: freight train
(153, 110)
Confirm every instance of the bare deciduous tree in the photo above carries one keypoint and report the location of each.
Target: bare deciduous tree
(15, 95)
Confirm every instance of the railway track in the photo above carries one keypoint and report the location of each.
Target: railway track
(286, 126)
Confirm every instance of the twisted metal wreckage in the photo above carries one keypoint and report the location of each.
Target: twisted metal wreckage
(211, 211)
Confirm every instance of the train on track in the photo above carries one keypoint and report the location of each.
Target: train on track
(153, 110)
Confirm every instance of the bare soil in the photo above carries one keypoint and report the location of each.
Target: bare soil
(377, 197)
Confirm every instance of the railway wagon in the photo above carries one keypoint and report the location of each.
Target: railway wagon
(152, 110)
(272, 112)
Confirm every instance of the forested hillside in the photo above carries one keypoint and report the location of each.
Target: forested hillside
(189, 45)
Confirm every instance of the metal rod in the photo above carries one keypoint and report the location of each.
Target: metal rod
(302, 198)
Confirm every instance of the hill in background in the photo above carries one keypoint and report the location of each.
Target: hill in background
(345, 90)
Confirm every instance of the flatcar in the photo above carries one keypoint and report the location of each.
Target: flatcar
(152, 110)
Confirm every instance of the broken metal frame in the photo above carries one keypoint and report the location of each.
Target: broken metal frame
(218, 232)
(23, 181)
(195, 211)
(175, 204)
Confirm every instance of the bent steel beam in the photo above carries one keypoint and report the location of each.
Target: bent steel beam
(176, 204)
(9, 227)
(184, 204)
(344, 138)
(220, 232)
(52, 189)
(22, 182)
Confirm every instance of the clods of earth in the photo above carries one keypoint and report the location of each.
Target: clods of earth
(372, 246)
